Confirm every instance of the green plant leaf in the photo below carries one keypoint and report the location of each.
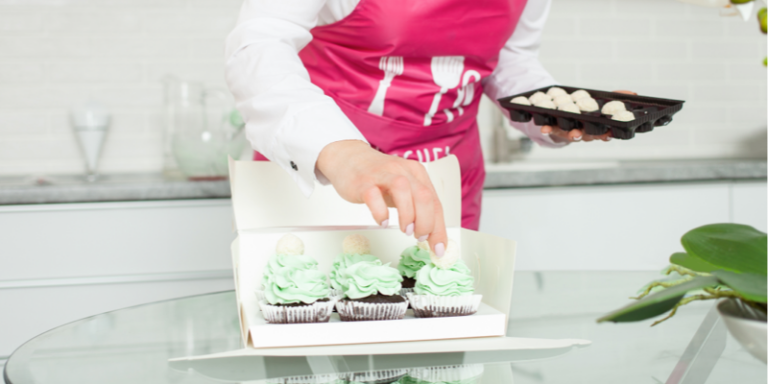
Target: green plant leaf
(695, 264)
(657, 303)
(751, 286)
(734, 247)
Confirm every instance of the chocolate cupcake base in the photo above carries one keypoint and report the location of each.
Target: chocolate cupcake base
(444, 306)
(467, 374)
(316, 379)
(375, 307)
(376, 377)
(317, 312)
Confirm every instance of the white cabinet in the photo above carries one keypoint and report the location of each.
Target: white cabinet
(63, 262)
(627, 227)
(749, 204)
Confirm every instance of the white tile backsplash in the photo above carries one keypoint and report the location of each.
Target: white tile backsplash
(55, 53)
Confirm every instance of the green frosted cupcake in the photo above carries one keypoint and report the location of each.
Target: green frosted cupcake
(411, 261)
(294, 290)
(454, 374)
(371, 290)
(445, 287)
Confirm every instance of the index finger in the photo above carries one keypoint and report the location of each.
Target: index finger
(438, 239)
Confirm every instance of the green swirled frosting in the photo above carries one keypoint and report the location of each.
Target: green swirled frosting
(367, 278)
(454, 281)
(289, 261)
(411, 260)
(345, 260)
(293, 279)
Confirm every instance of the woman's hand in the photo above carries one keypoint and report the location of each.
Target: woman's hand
(361, 174)
(560, 136)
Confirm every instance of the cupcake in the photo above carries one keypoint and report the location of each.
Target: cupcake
(355, 248)
(411, 261)
(371, 290)
(464, 374)
(386, 376)
(331, 378)
(294, 290)
(444, 287)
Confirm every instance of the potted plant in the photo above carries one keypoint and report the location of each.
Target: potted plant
(721, 261)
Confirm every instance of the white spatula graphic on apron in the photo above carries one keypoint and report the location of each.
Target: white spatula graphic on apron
(446, 73)
(392, 66)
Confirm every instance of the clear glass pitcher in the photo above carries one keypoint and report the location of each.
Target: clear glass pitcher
(202, 129)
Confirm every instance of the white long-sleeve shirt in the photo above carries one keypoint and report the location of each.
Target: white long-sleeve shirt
(290, 120)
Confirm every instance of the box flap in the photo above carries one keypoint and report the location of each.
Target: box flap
(255, 182)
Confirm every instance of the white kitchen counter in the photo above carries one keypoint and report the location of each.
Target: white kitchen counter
(142, 187)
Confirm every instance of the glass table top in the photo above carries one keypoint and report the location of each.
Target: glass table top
(133, 345)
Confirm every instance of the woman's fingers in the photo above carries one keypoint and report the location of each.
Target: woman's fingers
(375, 201)
(424, 198)
(575, 135)
(559, 136)
(399, 189)
(438, 239)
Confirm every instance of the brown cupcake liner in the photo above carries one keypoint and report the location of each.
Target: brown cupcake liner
(317, 312)
(444, 306)
(314, 379)
(376, 377)
(358, 311)
(452, 373)
(260, 296)
(405, 291)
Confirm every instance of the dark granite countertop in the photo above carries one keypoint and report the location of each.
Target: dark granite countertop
(142, 187)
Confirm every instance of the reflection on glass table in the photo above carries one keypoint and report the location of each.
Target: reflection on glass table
(134, 345)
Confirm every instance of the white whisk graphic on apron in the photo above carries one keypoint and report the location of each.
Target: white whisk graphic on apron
(446, 73)
(392, 66)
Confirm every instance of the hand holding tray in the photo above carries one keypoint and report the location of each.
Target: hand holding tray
(649, 112)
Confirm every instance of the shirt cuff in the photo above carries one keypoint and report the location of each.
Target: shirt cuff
(298, 143)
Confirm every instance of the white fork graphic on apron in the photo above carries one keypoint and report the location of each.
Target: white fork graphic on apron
(392, 66)
(446, 72)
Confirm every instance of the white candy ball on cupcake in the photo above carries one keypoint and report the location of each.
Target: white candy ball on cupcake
(356, 244)
(452, 255)
(290, 244)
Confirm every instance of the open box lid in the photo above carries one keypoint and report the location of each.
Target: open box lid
(254, 182)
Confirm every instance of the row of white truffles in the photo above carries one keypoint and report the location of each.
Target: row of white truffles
(577, 102)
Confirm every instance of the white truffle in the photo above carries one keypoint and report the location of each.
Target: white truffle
(356, 244)
(623, 116)
(555, 92)
(569, 107)
(587, 105)
(290, 245)
(521, 100)
(423, 245)
(537, 97)
(451, 256)
(546, 103)
(580, 94)
(562, 99)
(612, 107)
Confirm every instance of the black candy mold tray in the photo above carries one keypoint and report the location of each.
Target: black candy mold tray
(649, 112)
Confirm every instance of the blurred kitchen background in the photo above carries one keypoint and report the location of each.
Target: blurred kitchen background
(56, 53)
(71, 248)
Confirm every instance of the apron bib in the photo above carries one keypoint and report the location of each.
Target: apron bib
(408, 74)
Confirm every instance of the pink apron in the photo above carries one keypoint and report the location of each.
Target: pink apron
(408, 74)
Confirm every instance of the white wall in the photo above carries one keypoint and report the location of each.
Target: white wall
(54, 53)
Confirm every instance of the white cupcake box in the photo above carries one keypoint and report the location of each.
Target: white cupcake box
(267, 205)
